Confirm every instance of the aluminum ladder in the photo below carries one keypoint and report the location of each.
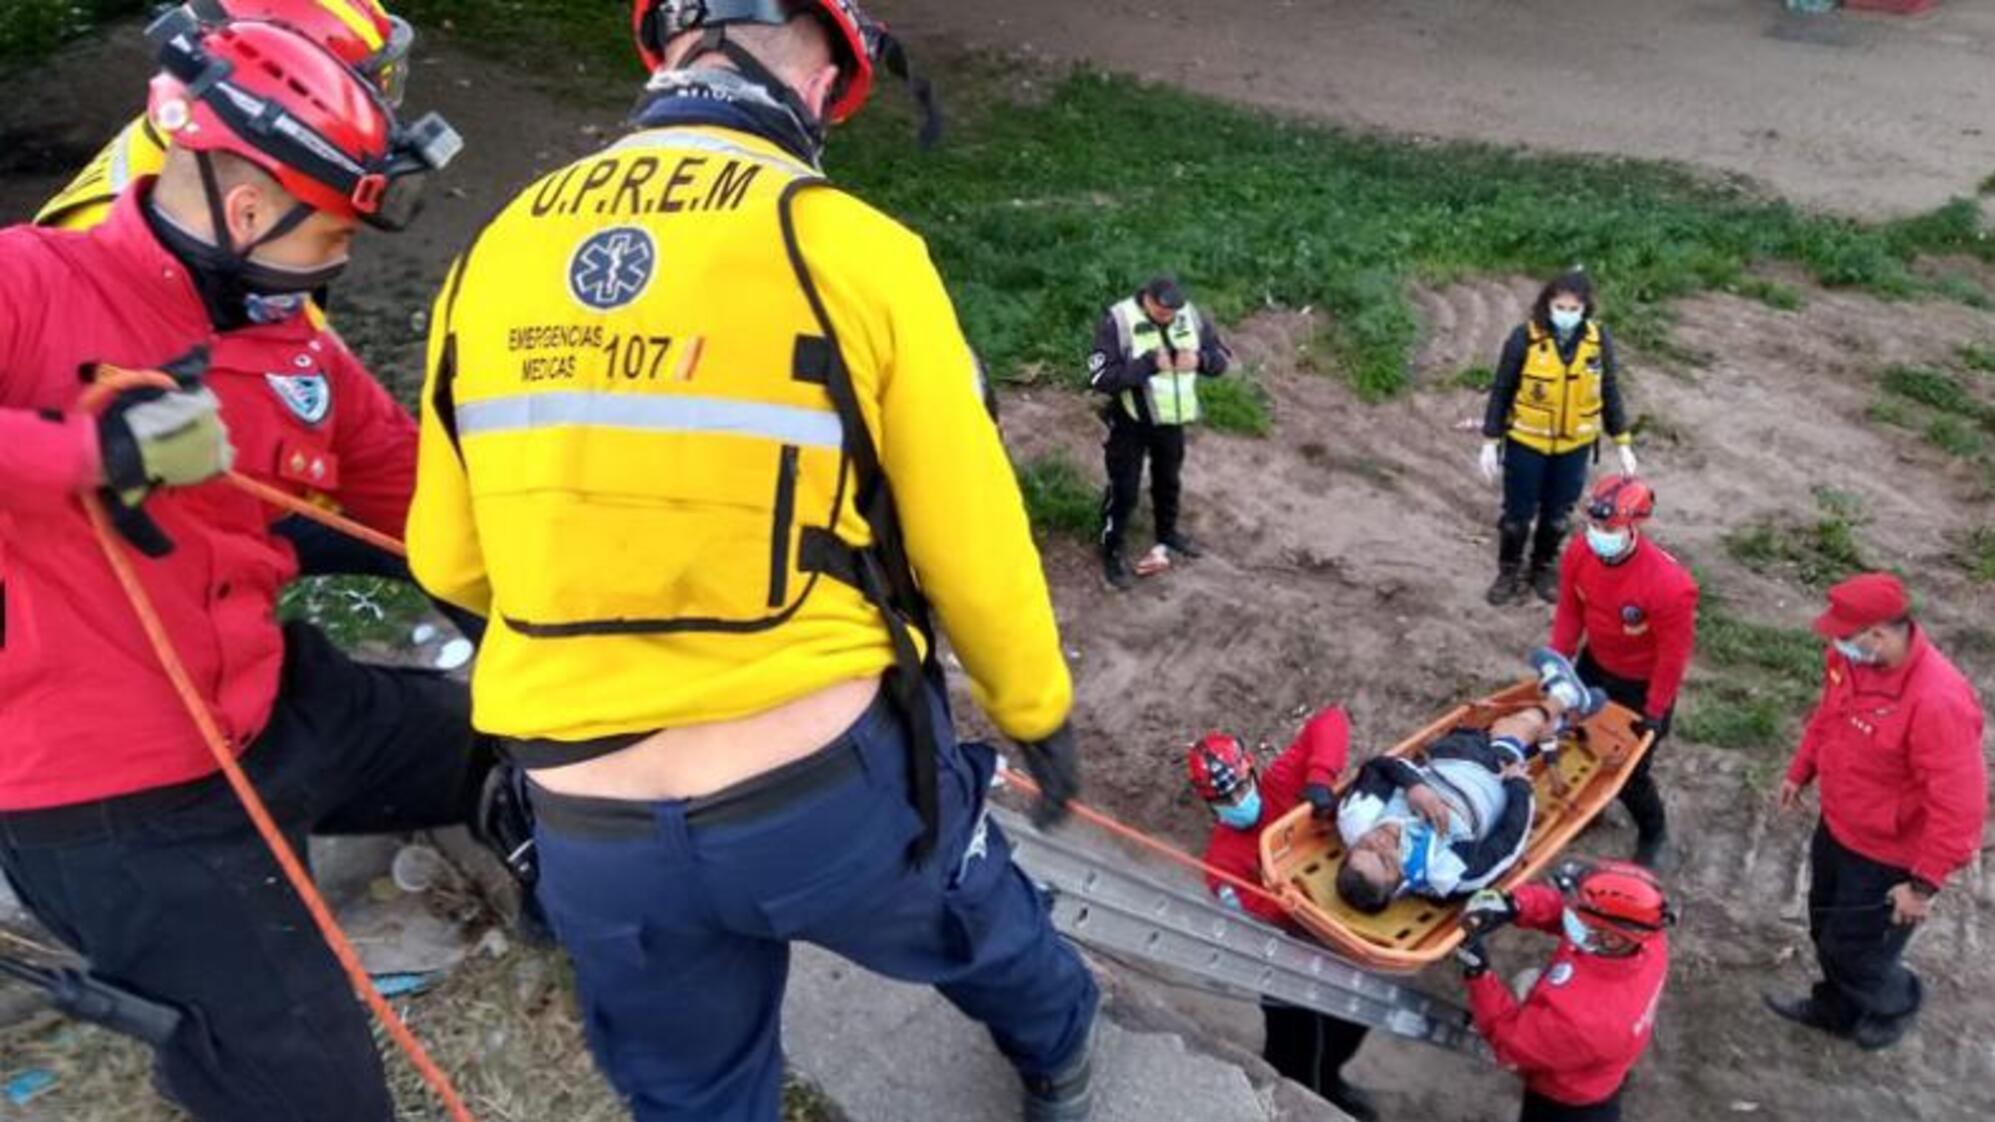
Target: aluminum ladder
(1100, 900)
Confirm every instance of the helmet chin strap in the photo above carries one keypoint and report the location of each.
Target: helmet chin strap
(211, 189)
(714, 40)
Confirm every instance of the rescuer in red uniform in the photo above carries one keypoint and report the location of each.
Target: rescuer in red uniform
(1302, 1044)
(1896, 744)
(115, 828)
(1627, 614)
(1586, 1020)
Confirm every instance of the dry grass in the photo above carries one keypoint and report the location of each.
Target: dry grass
(505, 1028)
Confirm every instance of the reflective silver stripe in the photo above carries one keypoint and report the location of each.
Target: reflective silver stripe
(784, 424)
(679, 138)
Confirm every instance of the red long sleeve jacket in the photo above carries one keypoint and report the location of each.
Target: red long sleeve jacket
(85, 710)
(1638, 617)
(1899, 756)
(1318, 756)
(1585, 1023)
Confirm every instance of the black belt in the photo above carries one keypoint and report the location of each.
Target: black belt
(757, 797)
(105, 818)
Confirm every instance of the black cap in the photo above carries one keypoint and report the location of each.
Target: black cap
(1165, 291)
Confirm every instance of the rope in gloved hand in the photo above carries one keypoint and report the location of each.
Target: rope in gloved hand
(111, 381)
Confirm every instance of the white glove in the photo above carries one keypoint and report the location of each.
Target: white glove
(1629, 465)
(1492, 470)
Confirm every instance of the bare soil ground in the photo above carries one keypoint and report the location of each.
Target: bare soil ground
(1859, 113)
(1350, 546)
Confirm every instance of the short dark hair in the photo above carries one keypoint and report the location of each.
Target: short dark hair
(1359, 894)
(1573, 283)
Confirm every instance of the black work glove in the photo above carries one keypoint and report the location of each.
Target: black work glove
(1473, 956)
(1322, 800)
(1643, 726)
(1487, 911)
(1055, 764)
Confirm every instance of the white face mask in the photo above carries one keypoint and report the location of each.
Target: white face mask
(1857, 655)
(1607, 544)
(1577, 932)
(1567, 320)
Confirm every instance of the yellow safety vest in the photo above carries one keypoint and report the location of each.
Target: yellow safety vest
(1172, 396)
(632, 459)
(1558, 404)
(137, 152)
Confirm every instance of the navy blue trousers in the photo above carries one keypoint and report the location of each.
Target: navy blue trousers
(681, 932)
(1540, 489)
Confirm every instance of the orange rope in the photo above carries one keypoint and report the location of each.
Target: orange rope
(318, 514)
(218, 744)
(1158, 846)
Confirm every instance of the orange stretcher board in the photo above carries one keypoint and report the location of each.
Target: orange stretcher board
(1300, 856)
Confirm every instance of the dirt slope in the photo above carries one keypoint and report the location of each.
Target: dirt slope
(1350, 549)
(1864, 114)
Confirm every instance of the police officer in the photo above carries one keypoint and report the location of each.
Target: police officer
(1302, 1044)
(1150, 350)
(704, 439)
(116, 830)
(1896, 744)
(1628, 610)
(376, 45)
(1584, 1020)
(1557, 391)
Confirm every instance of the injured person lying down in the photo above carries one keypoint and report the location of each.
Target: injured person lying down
(1458, 820)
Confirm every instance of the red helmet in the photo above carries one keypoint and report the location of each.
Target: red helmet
(1219, 766)
(272, 96)
(1619, 895)
(360, 32)
(861, 42)
(1619, 501)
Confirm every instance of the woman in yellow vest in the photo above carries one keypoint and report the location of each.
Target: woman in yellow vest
(1556, 393)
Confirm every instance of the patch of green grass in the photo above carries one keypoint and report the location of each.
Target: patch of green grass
(1955, 437)
(1237, 404)
(1736, 643)
(1962, 290)
(1477, 378)
(1773, 294)
(1768, 678)
(1817, 553)
(1891, 411)
(594, 37)
(1037, 215)
(1974, 552)
(30, 29)
(355, 610)
(1935, 389)
(1978, 357)
(1733, 718)
(1059, 498)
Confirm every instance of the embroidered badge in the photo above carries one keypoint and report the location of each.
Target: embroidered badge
(1560, 974)
(307, 396)
(612, 268)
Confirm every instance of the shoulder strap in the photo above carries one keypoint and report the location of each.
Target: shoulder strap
(884, 572)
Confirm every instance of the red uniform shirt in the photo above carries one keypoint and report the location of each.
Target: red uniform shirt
(1585, 1023)
(1317, 757)
(1639, 617)
(1899, 756)
(85, 710)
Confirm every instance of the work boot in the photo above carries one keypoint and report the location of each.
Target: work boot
(1117, 570)
(1802, 1011)
(1068, 1094)
(1353, 1100)
(1545, 582)
(1180, 543)
(1874, 1034)
(1508, 587)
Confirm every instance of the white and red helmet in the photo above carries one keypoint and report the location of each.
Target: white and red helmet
(273, 96)
(1219, 766)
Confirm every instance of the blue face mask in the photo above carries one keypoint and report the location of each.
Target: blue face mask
(1857, 655)
(1566, 321)
(1577, 932)
(1244, 814)
(1607, 544)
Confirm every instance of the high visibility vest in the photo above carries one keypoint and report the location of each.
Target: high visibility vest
(1172, 396)
(1559, 403)
(135, 153)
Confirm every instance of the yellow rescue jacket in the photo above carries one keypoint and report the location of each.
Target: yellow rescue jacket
(633, 463)
(1558, 404)
(137, 152)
